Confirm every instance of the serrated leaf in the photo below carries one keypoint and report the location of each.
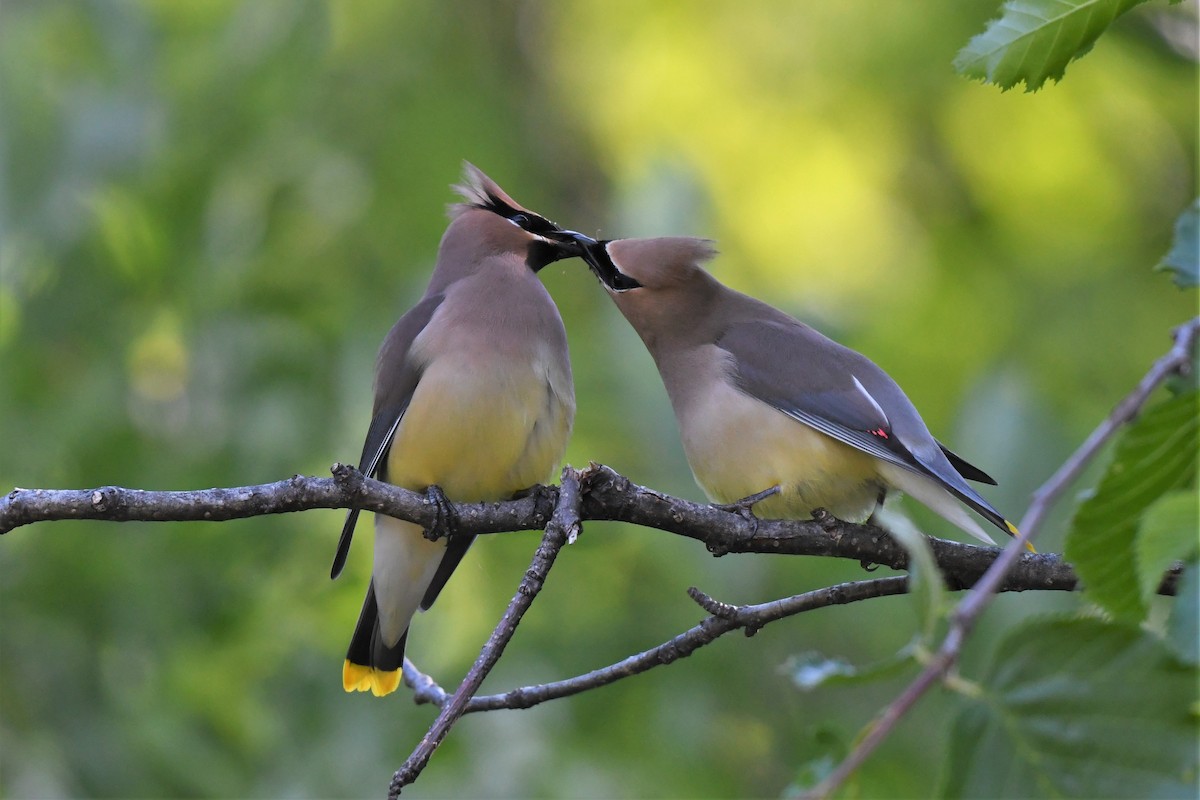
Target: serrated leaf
(811, 670)
(1077, 708)
(1183, 626)
(1034, 40)
(1184, 257)
(1155, 455)
(1167, 534)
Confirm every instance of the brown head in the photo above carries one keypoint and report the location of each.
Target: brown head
(489, 223)
(659, 284)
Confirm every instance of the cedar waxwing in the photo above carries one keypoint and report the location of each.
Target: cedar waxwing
(473, 394)
(764, 400)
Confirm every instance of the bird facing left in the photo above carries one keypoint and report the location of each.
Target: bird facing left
(473, 395)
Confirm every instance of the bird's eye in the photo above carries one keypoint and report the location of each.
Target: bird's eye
(521, 221)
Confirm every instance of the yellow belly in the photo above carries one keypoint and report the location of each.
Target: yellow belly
(480, 433)
(738, 446)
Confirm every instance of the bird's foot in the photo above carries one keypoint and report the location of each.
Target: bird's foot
(873, 519)
(745, 507)
(446, 520)
(828, 522)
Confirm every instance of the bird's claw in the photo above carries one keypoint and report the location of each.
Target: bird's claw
(744, 508)
(446, 520)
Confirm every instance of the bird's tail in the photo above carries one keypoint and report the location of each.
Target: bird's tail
(1012, 531)
(944, 497)
(370, 664)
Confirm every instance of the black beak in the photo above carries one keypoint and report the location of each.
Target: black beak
(553, 246)
(571, 242)
(595, 253)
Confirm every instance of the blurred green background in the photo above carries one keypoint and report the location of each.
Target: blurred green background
(211, 213)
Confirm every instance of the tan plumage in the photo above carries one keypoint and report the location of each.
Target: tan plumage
(763, 400)
(473, 394)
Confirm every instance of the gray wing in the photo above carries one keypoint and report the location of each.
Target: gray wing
(966, 468)
(396, 379)
(843, 394)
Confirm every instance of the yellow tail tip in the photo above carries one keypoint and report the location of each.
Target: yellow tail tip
(1012, 530)
(361, 678)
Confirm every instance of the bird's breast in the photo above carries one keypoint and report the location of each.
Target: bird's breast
(483, 423)
(738, 445)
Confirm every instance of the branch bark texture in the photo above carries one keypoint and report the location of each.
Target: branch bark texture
(606, 495)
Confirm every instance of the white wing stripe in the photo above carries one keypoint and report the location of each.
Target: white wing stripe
(871, 400)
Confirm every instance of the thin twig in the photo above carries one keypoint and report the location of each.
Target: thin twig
(963, 619)
(564, 524)
(730, 618)
(1176, 360)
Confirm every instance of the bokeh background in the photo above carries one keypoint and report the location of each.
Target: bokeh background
(211, 213)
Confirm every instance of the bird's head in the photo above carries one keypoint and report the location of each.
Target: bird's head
(507, 225)
(623, 265)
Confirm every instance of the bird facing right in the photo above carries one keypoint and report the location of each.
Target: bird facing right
(764, 400)
(473, 394)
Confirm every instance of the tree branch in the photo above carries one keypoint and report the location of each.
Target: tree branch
(606, 495)
(348, 488)
(725, 618)
(600, 493)
(563, 525)
(1177, 360)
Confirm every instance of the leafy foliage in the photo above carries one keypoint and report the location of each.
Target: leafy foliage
(812, 670)
(1034, 40)
(1167, 534)
(1078, 708)
(1156, 455)
(926, 588)
(1183, 626)
(1184, 256)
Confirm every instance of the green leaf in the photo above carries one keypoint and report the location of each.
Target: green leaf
(811, 670)
(1155, 455)
(1167, 535)
(1078, 708)
(925, 585)
(1035, 40)
(1187, 380)
(1184, 257)
(1183, 626)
